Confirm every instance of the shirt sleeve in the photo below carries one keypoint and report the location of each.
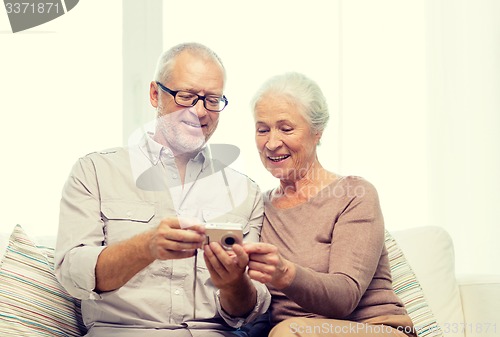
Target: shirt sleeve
(257, 213)
(80, 236)
(261, 306)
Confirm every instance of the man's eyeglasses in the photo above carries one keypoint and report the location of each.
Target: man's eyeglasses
(185, 98)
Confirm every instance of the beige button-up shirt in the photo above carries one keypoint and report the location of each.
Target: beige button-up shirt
(115, 194)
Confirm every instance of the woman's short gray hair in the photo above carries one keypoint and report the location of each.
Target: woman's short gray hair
(165, 61)
(301, 90)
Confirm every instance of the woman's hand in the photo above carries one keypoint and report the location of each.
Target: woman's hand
(266, 265)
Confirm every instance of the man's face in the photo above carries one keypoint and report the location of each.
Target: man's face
(186, 129)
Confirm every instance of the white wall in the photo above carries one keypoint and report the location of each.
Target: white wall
(464, 120)
(142, 44)
(60, 98)
(384, 104)
(421, 114)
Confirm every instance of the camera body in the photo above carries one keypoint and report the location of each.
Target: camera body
(226, 234)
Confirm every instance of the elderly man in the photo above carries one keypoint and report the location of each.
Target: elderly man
(132, 219)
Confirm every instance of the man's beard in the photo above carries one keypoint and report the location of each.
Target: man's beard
(170, 129)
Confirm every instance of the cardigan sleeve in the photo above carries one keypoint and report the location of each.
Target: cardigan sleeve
(356, 245)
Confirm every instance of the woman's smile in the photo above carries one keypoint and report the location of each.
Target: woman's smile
(278, 159)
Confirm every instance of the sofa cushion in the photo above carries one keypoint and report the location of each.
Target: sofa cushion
(407, 287)
(430, 253)
(32, 302)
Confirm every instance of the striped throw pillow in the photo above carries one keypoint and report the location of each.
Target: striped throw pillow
(407, 287)
(32, 302)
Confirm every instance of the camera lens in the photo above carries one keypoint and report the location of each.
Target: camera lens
(229, 241)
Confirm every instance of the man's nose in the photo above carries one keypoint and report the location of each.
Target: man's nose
(199, 109)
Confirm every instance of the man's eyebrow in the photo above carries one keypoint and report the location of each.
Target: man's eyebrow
(196, 91)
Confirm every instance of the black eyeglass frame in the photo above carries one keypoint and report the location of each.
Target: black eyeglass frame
(174, 94)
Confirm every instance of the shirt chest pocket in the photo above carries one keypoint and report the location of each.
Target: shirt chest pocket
(124, 219)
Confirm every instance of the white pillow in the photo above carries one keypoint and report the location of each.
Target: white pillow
(407, 287)
(32, 302)
(429, 250)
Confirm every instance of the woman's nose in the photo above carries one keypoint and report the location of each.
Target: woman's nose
(274, 141)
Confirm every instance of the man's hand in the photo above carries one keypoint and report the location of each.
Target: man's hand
(238, 295)
(266, 265)
(119, 262)
(170, 241)
(226, 268)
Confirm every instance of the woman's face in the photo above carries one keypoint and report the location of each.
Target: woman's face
(284, 138)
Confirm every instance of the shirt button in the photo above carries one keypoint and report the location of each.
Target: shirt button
(174, 176)
(177, 291)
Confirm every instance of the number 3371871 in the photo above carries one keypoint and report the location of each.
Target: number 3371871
(477, 328)
(33, 8)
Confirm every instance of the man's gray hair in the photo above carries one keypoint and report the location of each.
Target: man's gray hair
(164, 66)
(301, 90)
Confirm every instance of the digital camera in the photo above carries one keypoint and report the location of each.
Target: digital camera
(226, 234)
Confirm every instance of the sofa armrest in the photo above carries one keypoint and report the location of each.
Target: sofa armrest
(480, 296)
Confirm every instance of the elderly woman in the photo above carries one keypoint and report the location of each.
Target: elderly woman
(323, 254)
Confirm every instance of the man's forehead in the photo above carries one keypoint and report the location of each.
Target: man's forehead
(196, 77)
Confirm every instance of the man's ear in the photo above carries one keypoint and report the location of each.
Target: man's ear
(153, 94)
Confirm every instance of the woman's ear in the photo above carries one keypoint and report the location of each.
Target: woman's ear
(317, 137)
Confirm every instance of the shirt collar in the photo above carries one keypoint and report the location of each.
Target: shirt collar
(154, 151)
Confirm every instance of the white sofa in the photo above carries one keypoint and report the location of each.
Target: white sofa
(464, 305)
(422, 260)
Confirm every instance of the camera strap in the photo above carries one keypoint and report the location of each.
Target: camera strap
(230, 194)
(194, 282)
(195, 271)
